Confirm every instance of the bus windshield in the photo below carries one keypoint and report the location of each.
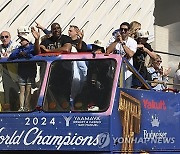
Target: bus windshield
(20, 83)
(79, 85)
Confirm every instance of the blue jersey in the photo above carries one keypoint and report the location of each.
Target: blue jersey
(28, 52)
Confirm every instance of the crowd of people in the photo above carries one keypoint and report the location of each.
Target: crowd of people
(128, 40)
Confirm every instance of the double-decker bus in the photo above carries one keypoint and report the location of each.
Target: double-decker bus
(79, 103)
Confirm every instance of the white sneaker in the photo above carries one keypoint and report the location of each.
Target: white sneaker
(93, 108)
(21, 109)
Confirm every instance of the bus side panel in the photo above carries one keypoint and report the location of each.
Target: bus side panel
(55, 131)
(159, 123)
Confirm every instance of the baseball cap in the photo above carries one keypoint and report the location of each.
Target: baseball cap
(25, 36)
(142, 34)
(23, 29)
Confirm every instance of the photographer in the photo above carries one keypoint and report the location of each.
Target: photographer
(143, 49)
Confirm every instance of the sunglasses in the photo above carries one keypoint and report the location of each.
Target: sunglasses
(123, 29)
(6, 36)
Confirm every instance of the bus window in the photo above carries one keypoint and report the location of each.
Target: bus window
(80, 85)
(19, 85)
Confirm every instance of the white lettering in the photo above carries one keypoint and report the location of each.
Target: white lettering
(35, 136)
(153, 135)
(157, 137)
(87, 118)
(14, 139)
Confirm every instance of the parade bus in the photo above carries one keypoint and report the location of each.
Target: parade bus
(79, 104)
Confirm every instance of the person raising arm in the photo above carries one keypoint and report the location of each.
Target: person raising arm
(56, 43)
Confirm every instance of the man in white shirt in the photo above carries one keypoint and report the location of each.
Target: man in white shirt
(124, 45)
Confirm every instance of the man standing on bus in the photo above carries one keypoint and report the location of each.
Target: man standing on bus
(55, 43)
(26, 71)
(60, 84)
(124, 45)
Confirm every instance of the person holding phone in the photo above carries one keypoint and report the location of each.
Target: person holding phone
(124, 45)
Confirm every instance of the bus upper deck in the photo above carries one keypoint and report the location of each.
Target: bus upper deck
(78, 102)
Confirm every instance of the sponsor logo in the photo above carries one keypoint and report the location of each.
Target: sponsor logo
(155, 121)
(103, 140)
(67, 120)
(154, 105)
(157, 136)
(92, 121)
